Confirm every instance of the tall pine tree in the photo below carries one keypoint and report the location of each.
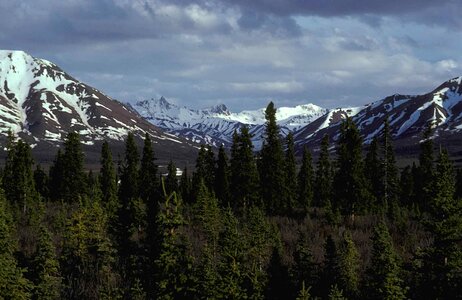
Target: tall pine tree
(348, 266)
(390, 171)
(272, 165)
(18, 179)
(426, 170)
(324, 177)
(222, 178)
(351, 194)
(244, 176)
(205, 168)
(171, 181)
(74, 183)
(48, 279)
(127, 209)
(290, 173)
(305, 181)
(442, 262)
(384, 273)
(87, 255)
(13, 284)
(107, 180)
(374, 172)
(173, 264)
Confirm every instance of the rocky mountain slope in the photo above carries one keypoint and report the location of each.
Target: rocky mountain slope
(408, 116)
(41, 103)
(215, 125)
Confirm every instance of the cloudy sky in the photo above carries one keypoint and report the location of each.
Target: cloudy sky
(244, 52)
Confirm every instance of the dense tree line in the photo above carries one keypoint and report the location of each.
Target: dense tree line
(242, 225)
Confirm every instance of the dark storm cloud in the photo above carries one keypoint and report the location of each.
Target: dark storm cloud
(29, 22)
(284, 27)
(242, 53)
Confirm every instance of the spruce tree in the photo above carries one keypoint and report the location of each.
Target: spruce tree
(231, 278)
(390, 171)
(426, 170)
(207, 214)
(330, 271)
(171, 181)
(87, 255)
(107, 180)
(304, 273)
(290, 173)
(244, 182)
(208, 277)
(373, 169)
(442, 261)
(324, 177)
(173, 264)
(305, 181)
(258, 243)
(406, 184)
(185, 186)
(458, 191)
(304, 293)
(129, 171)
(41, 182)
(48, 279)
(148, 173)
(348, 266)
(18, 179)
(384, 273)
(73, 180)
(351, 193)
(272, 166)
(335, 293)
(205, 168)
(222, 178)
(127, 208)
(278, 286)
(56, 174)
(13, 284)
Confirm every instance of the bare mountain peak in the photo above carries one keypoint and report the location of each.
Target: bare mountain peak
(220, 109)
(164, 103)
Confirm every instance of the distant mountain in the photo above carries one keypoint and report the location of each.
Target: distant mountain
(41, 104)
(408, 117)
(215, 125)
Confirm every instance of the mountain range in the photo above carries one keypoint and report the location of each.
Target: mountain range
(41, 103)
(408, 115)
(216, 125)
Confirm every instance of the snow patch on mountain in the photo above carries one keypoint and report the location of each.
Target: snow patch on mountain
(40, 100)
(216, 125)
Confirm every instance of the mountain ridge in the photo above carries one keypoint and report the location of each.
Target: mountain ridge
(215, 125)
(40, 103)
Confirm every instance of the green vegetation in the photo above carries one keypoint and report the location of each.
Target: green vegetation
(255, 226)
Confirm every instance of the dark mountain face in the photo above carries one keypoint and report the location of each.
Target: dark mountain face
(41, 103)
(408, 117)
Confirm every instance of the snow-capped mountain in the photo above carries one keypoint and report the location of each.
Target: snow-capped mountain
(41, 103)
(215, 125)
(407, 115)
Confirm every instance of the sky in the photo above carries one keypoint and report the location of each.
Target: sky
(198, 53)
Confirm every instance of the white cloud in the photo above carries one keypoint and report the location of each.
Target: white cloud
(206, 52)
(278, 86)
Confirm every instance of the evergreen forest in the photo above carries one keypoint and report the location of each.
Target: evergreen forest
(243, 224)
